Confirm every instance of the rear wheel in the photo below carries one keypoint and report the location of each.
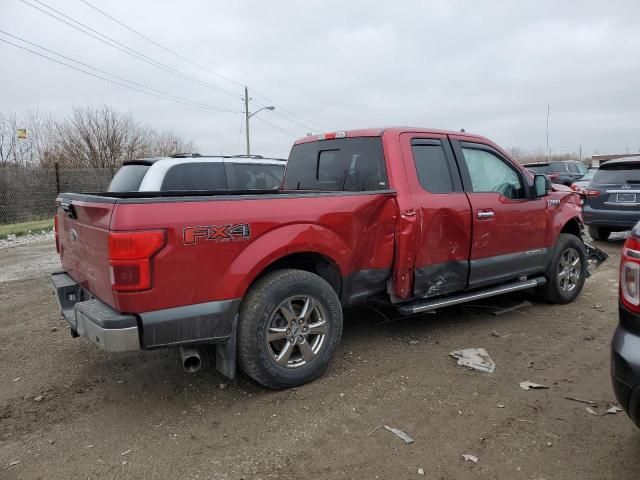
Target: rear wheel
(566, 272)
(598, 233)
(289, 327)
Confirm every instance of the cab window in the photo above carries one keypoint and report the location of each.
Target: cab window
(490, 173)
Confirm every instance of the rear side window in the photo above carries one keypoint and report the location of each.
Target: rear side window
(559, 167)
(346, 164)
(582, 168)
(433, 168)
(195, 176)
(254, 176)
(128, 178)
(622, 173)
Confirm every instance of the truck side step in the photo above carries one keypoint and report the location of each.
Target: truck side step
(420, 306)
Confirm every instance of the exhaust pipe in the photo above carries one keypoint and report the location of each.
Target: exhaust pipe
(190, 359)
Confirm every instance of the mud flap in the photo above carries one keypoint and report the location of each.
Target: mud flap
(595, 257)
(226, 354)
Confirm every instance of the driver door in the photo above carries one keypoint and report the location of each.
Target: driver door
(509, 225)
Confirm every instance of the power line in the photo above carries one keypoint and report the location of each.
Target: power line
(160, 92)
(307, 124)
(278, 127)
(105, 79)
(125, 49)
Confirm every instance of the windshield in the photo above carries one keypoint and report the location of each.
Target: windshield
(128, 178)
(619, 173)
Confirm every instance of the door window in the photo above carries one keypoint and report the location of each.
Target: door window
(432, 168)
(489, 173)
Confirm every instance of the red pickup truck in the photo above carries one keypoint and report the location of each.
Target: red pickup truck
(414, 218)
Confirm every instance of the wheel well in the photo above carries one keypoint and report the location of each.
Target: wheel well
(573, 227)
(311, 262)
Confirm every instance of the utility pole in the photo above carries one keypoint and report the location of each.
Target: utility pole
(548, 152)
(580, 152)
(246, 117)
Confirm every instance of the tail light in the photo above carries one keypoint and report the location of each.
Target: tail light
(630, 274)
(592, 193)
(130, 258)
(55, 233)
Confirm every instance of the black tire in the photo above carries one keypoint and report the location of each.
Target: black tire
(598, 233)
(262, 307)
(553, 291)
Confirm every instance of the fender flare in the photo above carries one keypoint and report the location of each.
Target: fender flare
(281, 242)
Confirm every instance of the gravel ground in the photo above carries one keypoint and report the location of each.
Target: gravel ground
(68, 410)
(15, 241)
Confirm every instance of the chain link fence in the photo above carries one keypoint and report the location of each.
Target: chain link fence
(28, 194)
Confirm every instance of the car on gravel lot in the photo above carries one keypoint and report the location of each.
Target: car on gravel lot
(565, 172)
(185, 172)
(612, 199)
(417, 219)
(625, 348)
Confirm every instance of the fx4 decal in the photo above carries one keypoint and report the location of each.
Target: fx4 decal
(553, 203)
(217, 233)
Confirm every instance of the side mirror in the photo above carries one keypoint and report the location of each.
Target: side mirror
(541, 186)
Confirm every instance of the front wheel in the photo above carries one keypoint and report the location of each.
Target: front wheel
(566, 272)
(289, 326)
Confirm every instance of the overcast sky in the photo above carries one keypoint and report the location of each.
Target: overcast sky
(490, 67)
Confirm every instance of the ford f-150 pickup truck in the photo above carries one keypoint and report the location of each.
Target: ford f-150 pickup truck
(414, 218)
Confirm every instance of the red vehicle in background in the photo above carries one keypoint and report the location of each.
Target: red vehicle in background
(414, 218)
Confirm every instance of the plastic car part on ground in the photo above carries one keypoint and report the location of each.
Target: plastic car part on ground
(474, 358)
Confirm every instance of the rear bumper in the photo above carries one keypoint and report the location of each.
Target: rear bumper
(623, 218)
(211, 322)
(625, 364)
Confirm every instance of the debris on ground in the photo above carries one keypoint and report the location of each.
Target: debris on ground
(420, 471)
(126, 452)
(399, 434)
(38, 398)
(470, 458)
(525, 303)
(500, 405)
(17, 379)
(474, 358)
(374, 430)
(580, 400)
(14, 463)
(529, 385)
(223, 386)
(495, 334)
(615, 409)
(592, 411)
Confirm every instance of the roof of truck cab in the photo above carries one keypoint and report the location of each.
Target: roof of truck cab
(379, 131)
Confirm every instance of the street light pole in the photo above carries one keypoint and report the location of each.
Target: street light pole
(248, 115)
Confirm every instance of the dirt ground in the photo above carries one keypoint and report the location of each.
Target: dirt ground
(68, 410)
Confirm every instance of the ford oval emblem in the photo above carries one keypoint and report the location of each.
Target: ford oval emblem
(73, 235)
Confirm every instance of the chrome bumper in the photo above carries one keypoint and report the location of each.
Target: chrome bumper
(90, 318)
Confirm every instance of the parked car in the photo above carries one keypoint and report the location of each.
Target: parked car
(188, 172)
(581, 185)
(416, 219)
(625, 348)
(565, 172)
(612, 202)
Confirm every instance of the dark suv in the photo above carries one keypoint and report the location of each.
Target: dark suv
(612, 199)
(625, 348)
(565, 172)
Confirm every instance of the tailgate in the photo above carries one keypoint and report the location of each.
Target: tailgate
(83, 228)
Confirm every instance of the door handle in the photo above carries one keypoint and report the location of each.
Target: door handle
(485, 214)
